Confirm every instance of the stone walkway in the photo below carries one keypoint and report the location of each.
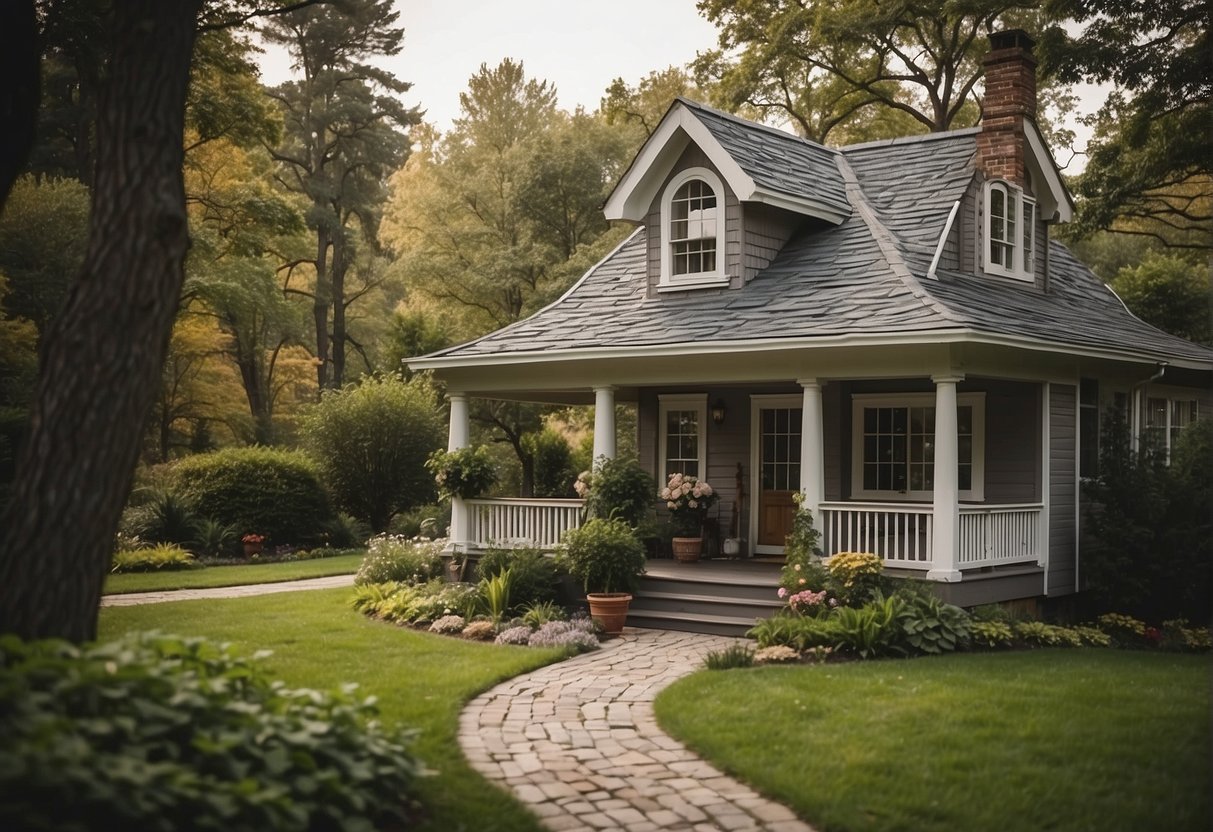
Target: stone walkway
(578, 743)
(133, 598)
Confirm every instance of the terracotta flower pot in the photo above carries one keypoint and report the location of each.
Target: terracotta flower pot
(251, 549)
(609, 608)
(687, 549)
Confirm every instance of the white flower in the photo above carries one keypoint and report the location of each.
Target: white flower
(671, 505)
(692, 504)
(665, 494)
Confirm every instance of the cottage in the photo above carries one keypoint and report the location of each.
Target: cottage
(886, 327)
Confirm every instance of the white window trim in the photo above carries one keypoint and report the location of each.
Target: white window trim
(977, 401)
(669, 282)
(1173, 398)
(1018, 270)
(682, 401)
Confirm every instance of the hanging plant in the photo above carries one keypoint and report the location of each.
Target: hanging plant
(465, 473)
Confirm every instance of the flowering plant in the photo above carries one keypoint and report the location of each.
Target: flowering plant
(253, 538)
(688, 498)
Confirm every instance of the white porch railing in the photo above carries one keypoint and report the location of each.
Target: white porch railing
(994, 535)
(521, 521)
(901, 534)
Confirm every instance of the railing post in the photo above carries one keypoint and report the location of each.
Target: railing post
(946, 507)
(459, 436)
(604, 423)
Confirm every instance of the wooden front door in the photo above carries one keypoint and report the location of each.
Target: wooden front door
(778, 474)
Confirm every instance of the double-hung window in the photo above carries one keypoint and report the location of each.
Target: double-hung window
(1010, 231)
(681, 424)
(1165, 420)
(893, 446)
(693, 231)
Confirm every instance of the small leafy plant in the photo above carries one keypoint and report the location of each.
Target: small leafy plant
(163, 558)
(466, 473)
(604, 556)
(735, 655)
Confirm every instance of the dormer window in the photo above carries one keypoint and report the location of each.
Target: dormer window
(1010, 232)
(693, 232)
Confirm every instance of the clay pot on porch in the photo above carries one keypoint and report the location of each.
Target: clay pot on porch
(609, 608)
(687, 549)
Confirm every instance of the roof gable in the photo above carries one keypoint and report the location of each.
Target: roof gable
(758, 163)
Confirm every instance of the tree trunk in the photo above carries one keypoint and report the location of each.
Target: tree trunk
(320, 308)
(340, 267)
(102, 358)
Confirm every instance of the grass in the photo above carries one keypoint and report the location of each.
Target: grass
(253, 573)
(421, 680)
(1101, 740)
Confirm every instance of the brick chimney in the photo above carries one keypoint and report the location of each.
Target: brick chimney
(1010, 72)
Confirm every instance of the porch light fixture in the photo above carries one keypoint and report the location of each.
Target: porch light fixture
(718, 412)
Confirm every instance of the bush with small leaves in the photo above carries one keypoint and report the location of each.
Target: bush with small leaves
(396, 558)
(735, 655)
(480, 630)
(520, 635)
(155, 732)
(855, 577)
(448, 625)
(163, 558)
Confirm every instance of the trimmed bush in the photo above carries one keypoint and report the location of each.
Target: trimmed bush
(257, 490)
(155, 732)
(604, 556)
(394, 558)
(553, 463)
(619, 489)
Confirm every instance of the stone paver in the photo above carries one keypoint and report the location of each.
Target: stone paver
(578, 743)
(133, 598)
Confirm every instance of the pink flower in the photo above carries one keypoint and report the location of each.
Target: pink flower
(692, 504)
(707, 489)
(783, 593)
(671, 505)
(664, 494)
(697, 492)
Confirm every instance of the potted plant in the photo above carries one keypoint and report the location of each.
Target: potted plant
(465, 473)
(688, 498)
(607, 559)
(252, 544)
(617, 488)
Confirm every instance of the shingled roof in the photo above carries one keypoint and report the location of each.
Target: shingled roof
(864, 277)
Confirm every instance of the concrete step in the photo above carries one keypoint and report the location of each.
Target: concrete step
(723, 598)
(689, 622)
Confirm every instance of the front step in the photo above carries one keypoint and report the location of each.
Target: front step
(714, 597)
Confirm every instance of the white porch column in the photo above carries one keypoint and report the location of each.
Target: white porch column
(604, 423)
(946, 549)
(812, 443)
(459, 437)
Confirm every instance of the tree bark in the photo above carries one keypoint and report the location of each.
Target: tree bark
(103, 355)
(337, 282)
(322, 298)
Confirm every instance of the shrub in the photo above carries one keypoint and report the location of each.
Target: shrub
(345, 531)
(1040, 634)
(604, 556)
(735, 655)
(163, 558)
(873, 629)
(372, 440)
(536, 615)
(799, 633)
(931, 626)
(992, 634)
(154, 732)
(1093, 636)
(802, 570)
(448, 625)
(480, 630)
(212, 538)
(263, 490)
(855, 577)
(162, 516)
(619, 488)
(1177, 634)
(534, 575)
(577, 635)
(553, 463)
(391, 558)
(436, 599)
(514, 635)
(465, 473)
(779, 653)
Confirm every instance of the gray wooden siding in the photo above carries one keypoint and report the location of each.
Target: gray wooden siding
(833, 427)
(1062, 488)
(765, 230)
(969, 228)
(693, 157)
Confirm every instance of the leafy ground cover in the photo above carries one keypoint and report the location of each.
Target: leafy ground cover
(1077, 740)
(253, 573)
(421, 680)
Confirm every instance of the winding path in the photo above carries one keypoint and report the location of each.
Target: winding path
(578, 743)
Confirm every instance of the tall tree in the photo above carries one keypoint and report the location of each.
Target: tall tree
(103, 353)
(344, 135)
(824, 65)
(1149, 170)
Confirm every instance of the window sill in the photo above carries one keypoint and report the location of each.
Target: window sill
(720, 282)
(1010, 275)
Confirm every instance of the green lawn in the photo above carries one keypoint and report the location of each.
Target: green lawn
(1100, 740)
(421, 680)
(253, 573)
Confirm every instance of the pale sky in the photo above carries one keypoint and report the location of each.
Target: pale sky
(578, 46)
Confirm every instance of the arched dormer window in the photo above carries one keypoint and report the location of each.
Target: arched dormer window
(693, 231)
(1010, 231)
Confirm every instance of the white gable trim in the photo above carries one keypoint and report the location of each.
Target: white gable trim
(632, 197)
(1052, 197)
